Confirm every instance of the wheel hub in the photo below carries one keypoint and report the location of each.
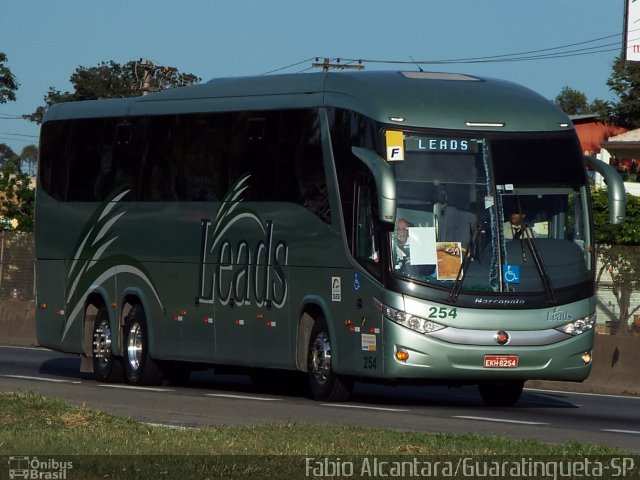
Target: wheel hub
(321, 358)
(102, 342)
(134, 346)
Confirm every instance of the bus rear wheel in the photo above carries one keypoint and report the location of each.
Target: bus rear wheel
(500, 394)
(106, 366)
(139, 367)
(325, 384)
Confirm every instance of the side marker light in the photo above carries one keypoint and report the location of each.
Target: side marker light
(402, 355)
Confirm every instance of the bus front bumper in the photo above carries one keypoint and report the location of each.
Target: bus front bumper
(428, 357)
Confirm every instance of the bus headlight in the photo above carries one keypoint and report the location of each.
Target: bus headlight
(579, 326)
(413, 322)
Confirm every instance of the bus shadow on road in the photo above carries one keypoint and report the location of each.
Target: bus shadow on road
(64, 367)
(293, 386)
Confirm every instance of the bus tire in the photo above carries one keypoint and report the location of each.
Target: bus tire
(106, 366)
(500, 394)
(324, 383)
(139, 367)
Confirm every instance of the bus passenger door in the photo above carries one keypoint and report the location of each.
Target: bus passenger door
(365, 324)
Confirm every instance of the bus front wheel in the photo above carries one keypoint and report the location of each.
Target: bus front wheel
(139, 367)
(500, 394)
(325, 384)
(106, 366)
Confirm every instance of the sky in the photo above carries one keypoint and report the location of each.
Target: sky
(45, 41)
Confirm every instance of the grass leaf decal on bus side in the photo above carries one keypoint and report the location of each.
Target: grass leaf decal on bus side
(97, 236)
(225, 217)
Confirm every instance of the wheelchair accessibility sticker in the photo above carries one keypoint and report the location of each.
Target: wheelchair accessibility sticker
(511, 273)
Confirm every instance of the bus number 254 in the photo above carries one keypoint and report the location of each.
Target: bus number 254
(442, 312)
(370, 363)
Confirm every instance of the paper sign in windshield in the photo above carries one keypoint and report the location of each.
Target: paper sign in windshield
(449, 260)
(422, 241)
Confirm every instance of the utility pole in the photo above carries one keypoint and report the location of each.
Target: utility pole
(149, 72)
(326, 65)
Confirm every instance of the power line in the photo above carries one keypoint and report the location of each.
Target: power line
(289, 66)
(530, 55)
(511, 57)
(544, 49)
(16, 140)
(19, 134)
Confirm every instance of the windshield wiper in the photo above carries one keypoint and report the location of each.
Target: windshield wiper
(464, 265)
(537, 260)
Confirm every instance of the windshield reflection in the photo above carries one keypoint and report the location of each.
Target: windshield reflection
(458, 230)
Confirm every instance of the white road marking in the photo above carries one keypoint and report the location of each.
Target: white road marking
(133, 387)
(363, 407)
(40, 379)
(613, 430)
(498, 420)
(241, 397)
(164, 425)
(581, 393)
(26, 348)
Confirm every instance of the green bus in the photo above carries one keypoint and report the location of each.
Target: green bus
(350, 225)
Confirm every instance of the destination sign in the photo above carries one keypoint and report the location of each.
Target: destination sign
(440, 144)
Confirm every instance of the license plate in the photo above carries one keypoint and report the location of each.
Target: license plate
(500, 361)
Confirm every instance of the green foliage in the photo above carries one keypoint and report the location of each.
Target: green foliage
(628, 233)
(619, 255)
(112, 80)
(17, 202)
(574, 102)
(29, 159)
(8, 84)
(625, 83)
(9, 161)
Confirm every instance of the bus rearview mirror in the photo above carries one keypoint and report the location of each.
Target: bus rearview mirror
(385, 183)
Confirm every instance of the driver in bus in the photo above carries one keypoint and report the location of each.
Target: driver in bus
(516, 228)
(401, 246)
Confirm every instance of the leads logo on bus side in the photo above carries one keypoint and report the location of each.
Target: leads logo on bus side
(239, 270)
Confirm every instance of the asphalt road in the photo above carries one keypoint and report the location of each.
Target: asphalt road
(208, 399)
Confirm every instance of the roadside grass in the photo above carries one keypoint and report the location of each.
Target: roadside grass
(115, 447)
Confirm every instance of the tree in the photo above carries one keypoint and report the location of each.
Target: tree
(625, 83)
(29, 159)
(112, 80)
(16, 202)
(8, 87)
(619, 254)
(8, 84)
(9, 161)
(574, 102)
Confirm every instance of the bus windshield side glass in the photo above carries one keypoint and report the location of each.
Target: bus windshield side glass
(470, 217)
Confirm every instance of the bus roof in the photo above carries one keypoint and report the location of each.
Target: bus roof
(422, 99)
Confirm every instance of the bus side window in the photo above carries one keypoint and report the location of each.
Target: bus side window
(300, 174)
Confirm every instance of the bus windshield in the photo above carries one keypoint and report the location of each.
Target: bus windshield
(484, 214)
